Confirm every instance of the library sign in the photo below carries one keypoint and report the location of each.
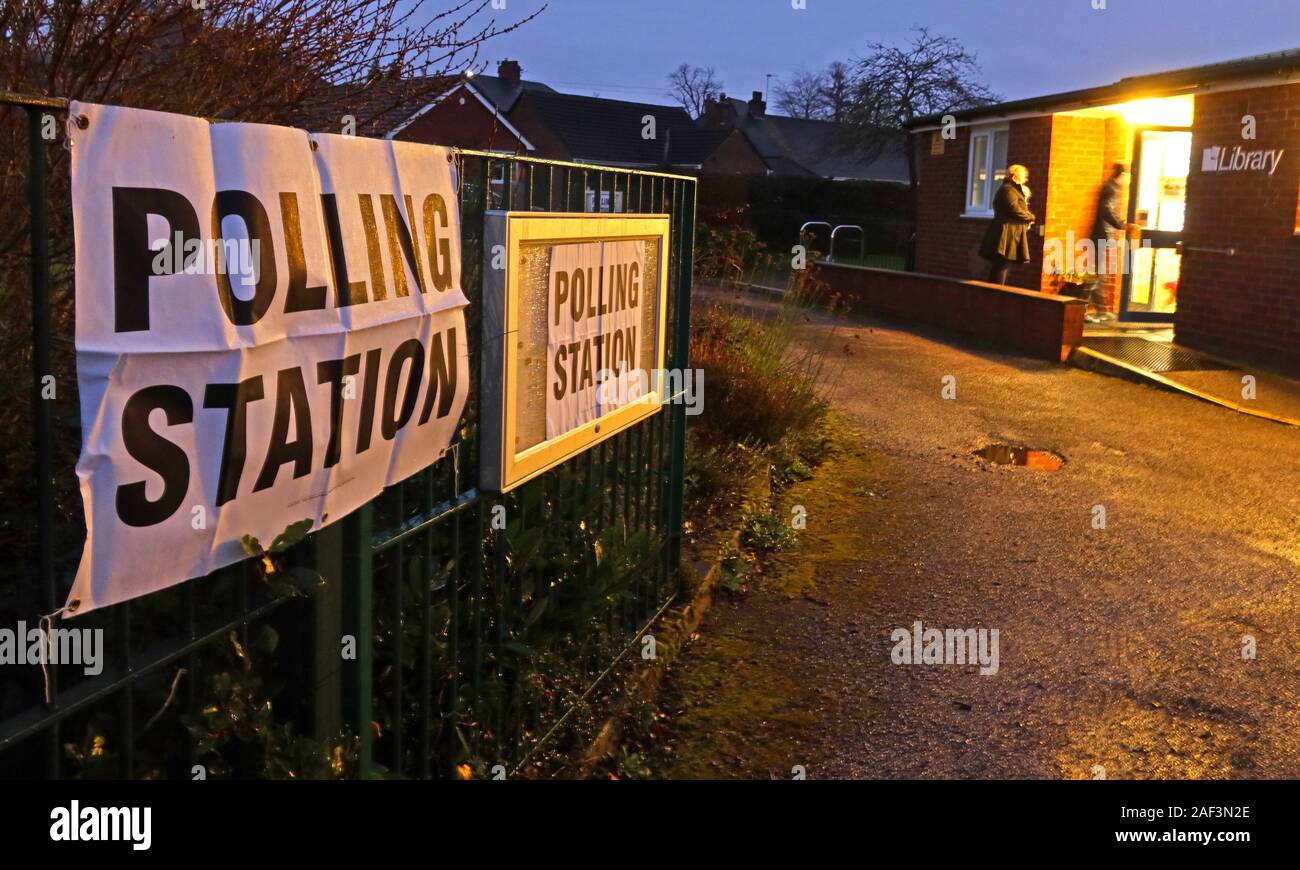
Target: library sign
(573, 335)
(270, 328)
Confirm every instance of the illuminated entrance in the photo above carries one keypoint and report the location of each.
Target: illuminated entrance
(1157, 207)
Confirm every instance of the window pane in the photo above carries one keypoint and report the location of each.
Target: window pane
(979, 170)
(1000, 154)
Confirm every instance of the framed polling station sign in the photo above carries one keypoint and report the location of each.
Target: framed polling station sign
(574, 313)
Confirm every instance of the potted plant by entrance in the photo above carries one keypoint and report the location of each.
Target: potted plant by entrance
(1075, 284)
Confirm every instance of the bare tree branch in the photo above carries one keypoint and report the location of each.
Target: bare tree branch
(692, 86)
(804, 95)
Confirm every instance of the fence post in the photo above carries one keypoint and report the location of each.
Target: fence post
(325, 669)
(681, 361)
(359, 623)
(42, 443)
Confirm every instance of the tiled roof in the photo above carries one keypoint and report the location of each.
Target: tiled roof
(378, 104)
(691, 146)
(606, 131)
(504, 93)
(804, 146)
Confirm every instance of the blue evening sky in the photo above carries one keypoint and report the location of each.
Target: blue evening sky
(623, 49)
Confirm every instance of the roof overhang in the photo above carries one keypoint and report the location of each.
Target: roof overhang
(1200, 80)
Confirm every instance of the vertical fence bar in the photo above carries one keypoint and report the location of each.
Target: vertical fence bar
(40, 278)
(685, 201)
(42, 442)
(426, 633)
(358, 619)
(396, 582)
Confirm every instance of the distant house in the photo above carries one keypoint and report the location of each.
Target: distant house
(595, 130)
(510, 114)
(473, 113)
(712, 151)
(805, 147)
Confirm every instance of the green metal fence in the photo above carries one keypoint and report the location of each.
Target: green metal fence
(475, 626)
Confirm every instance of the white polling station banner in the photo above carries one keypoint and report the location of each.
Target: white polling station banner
(270, 328)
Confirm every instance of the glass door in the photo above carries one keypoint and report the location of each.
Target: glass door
(1157, 207)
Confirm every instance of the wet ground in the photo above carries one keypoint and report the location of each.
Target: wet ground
(1125, 586)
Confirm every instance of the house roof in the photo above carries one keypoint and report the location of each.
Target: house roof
(379, 103)
(805, 146)
(608, 131)
(691, 146)
(1279, 63)
(504, 93)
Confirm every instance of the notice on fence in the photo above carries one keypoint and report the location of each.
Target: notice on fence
(270, 328)
(593, 352)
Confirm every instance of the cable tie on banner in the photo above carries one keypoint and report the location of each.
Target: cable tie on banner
(180, 672)
(47, 634)
(455, 469)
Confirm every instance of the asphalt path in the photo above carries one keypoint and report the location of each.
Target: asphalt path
(1164, 642)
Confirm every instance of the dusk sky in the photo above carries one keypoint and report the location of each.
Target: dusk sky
(623, 49)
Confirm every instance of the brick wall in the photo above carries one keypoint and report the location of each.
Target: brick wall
(1245, 307)
(946, 242)
(1037, 324)
(1083, 151)
(735, 156)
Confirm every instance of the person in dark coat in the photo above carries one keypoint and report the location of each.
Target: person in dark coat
(1007, 239)
(1107, 234)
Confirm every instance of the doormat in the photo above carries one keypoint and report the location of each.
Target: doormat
(1153, 356)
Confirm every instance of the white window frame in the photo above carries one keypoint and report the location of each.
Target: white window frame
(988, 133)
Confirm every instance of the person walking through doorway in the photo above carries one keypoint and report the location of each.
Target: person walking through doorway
(1107, 234)
(1007, 239)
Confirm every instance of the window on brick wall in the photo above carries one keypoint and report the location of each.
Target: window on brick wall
(987, 168)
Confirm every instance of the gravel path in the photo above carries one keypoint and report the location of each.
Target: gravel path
(1120, 649)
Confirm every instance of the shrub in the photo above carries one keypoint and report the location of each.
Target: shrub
(768, 532)
(758, 385)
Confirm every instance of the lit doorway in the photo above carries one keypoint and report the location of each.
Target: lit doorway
(1157, 207)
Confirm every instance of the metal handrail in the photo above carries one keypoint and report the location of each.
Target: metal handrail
(862, 241)
(804, 229)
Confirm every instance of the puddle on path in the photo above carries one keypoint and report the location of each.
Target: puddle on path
(1007, 454)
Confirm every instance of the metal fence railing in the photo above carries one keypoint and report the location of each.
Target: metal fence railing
(474, 645)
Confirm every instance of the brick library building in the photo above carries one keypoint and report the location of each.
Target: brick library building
(1210, 204)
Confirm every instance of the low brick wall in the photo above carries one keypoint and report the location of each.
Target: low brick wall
(1037, 324)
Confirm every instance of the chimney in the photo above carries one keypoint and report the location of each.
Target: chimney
(711, 116)
(757, 106)
(509, 71)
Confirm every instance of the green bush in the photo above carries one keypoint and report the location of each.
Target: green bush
(768, 532)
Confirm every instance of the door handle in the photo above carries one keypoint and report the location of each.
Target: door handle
(1227, 252)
